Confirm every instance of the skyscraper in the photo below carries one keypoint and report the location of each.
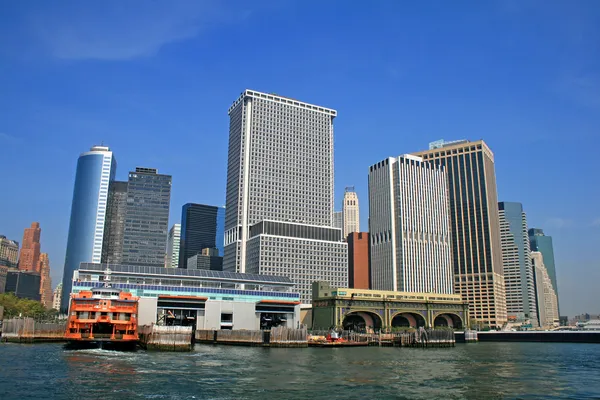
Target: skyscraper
(146, 218)
(45, 281)
(202, 227)
(518, 271)
(547, 302)
(112, 248)
(474, 221)
(173, 246)
(542, 243)
(279, 207)
(9, 252)
(57, 297)
(351, 212)
(29, 258)
(359, 260)
(411, 247)
(95, 170)
(338, 220)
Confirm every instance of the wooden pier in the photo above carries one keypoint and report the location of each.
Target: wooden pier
(27, 330)
(165, 338)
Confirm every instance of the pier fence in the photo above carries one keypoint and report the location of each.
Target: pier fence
(166, 338)
(28, 330)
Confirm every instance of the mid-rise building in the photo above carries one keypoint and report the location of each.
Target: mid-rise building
(538, 241)
(338, 220)
(9, 252)
(518, 272)
(57, 297)
(359, 260)
(29, 258)
(547, 302)
(45, 281)
(279, 199)
(409, 226)
(202, 226)
(474, 222)
(23, 284)
(112, 248)
(95, 171)
(173, 246)
(3, 273)
(351, 219)
(146, 218)
(208, 259)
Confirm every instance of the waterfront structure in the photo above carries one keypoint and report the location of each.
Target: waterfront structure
(359, 260)
(516, 259)
(9, 252)
(208, 259)
(57, 297)
(547, 302)
(474, 222)
(23, 284)
(146, 218)
(29, 257)
(351, 212)
(338, 220)
(409, 226)
(112, 247)
(202, 226)
(173, 243)
(279, 200)
(96, 169)
(374, 310)
(45, 281)
(211, 299)
(538, 241)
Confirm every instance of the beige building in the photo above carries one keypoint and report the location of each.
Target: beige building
(9, 252)
(547, 301)
(56, 297)
(351, 212)
(45, 281)
(477, 253)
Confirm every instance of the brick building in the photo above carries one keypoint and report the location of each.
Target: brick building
(359, 260)
(29, 258)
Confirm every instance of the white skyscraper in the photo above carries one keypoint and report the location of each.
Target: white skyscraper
(338, 220)
(351, 212)
(547, 302)
(173, 244)
(409, 226)
(279, 206)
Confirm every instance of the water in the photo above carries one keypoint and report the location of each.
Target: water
(473, 371)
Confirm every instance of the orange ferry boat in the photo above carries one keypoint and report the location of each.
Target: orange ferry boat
(104, 318)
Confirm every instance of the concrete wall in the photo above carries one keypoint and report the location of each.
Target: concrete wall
(244, 315)
(147, 310)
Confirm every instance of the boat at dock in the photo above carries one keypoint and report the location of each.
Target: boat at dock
(103, 318)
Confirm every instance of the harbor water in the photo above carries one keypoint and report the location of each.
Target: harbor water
(471, 371)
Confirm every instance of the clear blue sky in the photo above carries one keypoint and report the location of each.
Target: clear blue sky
(153, 80)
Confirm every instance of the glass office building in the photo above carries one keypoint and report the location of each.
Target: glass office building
(538, 241)
(202, 226)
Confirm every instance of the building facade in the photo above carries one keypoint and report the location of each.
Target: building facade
(474, 222)
(518, 271)
(56, 297)
(538, 241)
(96, 169)
(9, 252)
(359, 260)
(45, 281)
(208, 259)
(112, 247)
(29, 257)
(173, 246)
(547, 302)
(3, 274)
(411, 245)
(338, 220)
(147, 217)
(23, 284)
(351, 218)
(202, 226)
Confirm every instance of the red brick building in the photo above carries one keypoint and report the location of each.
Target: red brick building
(29, 258)
(46, 281)
(359, 260)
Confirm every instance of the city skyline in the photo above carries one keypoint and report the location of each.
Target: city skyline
(469, 86)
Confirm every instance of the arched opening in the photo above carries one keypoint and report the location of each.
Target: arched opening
(448, 320)
(362, 321)
(408, 320)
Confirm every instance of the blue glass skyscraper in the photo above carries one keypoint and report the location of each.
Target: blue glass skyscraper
(95, 170)
(202, 226)
(542, 243)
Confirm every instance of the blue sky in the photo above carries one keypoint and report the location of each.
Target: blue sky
(153, 80)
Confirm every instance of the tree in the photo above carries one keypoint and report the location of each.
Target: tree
(15, 307)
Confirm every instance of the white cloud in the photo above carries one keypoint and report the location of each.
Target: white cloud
(558, 223)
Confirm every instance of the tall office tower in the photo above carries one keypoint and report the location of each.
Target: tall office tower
(280, 171)
(9, 252)
(95, 171)
(146, 218)
(518, 272)
(477, 253)
(173, 246)
(542, 243)
(202, 227)
(114, 228)
(29, 258)
(411, 246)
(57, 296)
(351, 212)
(547, 301)
(338, 220)
(45, 281)
(359, 260)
